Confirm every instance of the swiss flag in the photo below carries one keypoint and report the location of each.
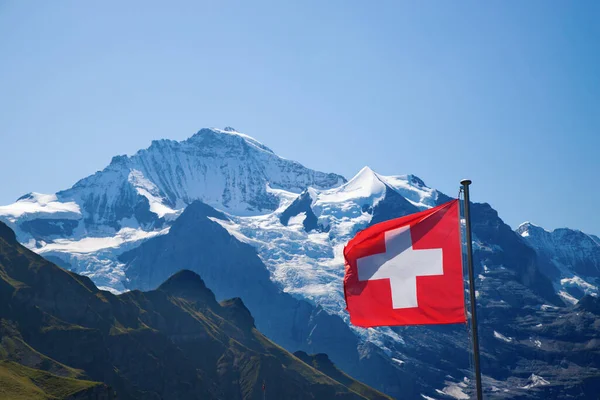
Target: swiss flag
(407, 271)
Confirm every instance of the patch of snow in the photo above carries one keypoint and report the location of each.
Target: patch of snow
(249, 139)
(453, 390)
(411, 189)
(39, 205)
(150, 191)
(578, 282)
(546, 307)
(527, 224)
(567, 297)
(110, 289)
(297, 220)
(500, 336)
(535, 380)
(94, 244)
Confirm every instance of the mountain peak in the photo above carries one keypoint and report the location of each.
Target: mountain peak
(235, 310)
(227, 136)
(526, 228)
(528, 224)
(184, 277)
(224, 168)
(366, 172)
(119, 160)
(6, 233)
(364, 184)
(188, 285)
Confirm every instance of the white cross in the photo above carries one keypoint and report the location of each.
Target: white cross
(401, 264)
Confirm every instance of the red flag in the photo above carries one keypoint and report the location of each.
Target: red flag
(407, 271)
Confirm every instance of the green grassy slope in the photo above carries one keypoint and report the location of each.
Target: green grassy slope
(18, 382)
(323, 364)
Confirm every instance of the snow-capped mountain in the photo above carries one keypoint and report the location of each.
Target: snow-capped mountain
(224, 168)
(569, 257)
(302, 241)
(86, 227)
(276, 240)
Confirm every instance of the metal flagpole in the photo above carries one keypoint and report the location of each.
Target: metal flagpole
(465, 184)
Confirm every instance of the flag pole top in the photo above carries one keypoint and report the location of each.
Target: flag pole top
(465, 182)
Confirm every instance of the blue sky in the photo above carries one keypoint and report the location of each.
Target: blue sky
(506, 93)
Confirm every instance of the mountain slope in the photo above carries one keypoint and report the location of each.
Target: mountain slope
(401, 361)
(570, 258)
(322, 363)
(18, 382)
(132, 231)
(171, 343)
(198, 241)
(223, 168)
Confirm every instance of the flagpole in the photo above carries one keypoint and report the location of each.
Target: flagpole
(465, 184)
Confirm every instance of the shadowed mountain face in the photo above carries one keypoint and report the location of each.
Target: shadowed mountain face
(175, 342)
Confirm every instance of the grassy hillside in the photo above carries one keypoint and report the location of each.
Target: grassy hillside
(18, 382)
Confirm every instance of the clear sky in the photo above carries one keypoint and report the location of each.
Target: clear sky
(505, 92)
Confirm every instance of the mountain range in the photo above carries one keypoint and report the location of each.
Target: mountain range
(61, 337)
(271, 231)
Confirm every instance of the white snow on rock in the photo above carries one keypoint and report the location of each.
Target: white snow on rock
(567, 297)
(38, 205)
(578, 282)
(500, 336)
(96, 257)
(151, 192)
(454, 390)
(94, 244)
(545, 307)
(224, 168)
(412, 189)
(296, 221)
(535, 380)
(572, 254)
